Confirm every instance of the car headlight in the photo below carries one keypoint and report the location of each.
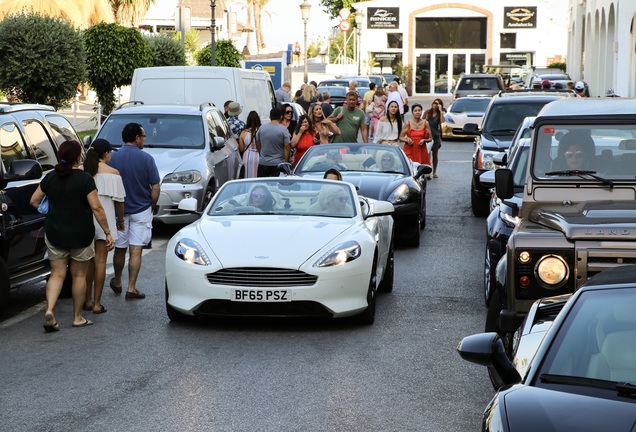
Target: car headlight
(341, 254)
(399, 195)
(449, 119)
(552, 271)
(191, 252)
(485, 159)
(186, 177)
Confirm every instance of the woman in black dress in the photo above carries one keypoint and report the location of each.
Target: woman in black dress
(435, 117)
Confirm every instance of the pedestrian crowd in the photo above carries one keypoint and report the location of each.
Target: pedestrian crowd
(95, 205)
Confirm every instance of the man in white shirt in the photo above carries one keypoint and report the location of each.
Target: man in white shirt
(394, 95)
(402, 90)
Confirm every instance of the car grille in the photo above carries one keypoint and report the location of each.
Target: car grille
(261, 277)
(592, 261)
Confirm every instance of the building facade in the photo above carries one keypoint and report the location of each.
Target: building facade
(440, 41)
(602, 45)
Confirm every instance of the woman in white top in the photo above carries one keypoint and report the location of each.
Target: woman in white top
(389, 127)
(248, 147)
(111, 193)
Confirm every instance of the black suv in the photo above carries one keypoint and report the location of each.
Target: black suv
(29, 138)
(500, 122)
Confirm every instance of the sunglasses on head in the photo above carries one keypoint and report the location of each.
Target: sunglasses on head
(569, 154)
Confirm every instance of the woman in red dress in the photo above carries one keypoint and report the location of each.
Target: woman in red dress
(415, 134)
(303, 137)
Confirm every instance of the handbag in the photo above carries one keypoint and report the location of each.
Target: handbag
(370, 107)
(406, 108)
(43, 208)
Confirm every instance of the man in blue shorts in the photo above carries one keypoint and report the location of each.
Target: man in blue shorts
(142, 184)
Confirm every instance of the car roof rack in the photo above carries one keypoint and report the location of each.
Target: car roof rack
(8, 107)
(133, 103)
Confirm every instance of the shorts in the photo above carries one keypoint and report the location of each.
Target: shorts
(137, 230)
(79, 254)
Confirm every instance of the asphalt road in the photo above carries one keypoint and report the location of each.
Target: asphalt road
(135, 371)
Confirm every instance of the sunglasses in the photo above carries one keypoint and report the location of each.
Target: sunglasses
(341, 199)
(387, 160)
(143, 136)
(569, 154)
(289, 112)
(258, 195)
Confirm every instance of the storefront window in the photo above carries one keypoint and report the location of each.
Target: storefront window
(455, 33)
(394, 40)
(508, 40)
(423, 74)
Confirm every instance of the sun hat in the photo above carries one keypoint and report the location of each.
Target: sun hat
(579, 85)
(235, 109)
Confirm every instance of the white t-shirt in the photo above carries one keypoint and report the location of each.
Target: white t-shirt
(395, 96)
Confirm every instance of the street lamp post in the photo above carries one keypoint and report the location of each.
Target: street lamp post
(359, 16)
(305, 7)
(213, 30)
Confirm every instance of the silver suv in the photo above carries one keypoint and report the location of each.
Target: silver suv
(193, 147)
(479, 84)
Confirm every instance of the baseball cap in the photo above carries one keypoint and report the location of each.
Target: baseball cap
(579, 85)
(546, 82)
(102, 146)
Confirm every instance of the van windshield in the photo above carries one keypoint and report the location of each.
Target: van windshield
(162, 130)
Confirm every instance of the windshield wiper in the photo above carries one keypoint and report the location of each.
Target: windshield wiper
(502, 131)
(626, 388)
(582, 173)
(577, 380)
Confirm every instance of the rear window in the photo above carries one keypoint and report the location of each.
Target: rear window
(469, 105)
(505, 118)
(478, 84)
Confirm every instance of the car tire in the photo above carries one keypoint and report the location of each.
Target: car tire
(489, 277)
(413, 240)
(367, 317)
(207, 197)
(492, 316)
(173, 314)
(387, 279)
(4, 284)
(479, 205)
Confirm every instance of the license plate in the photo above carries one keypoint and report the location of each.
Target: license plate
(245, 295)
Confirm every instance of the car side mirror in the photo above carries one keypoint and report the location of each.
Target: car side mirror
(188, 205)
(487, 349)
(504, 185)
(23, 169)
(88, 140)
(500, 158)
(422, 169)
(285, 167)
(217, 143)
(471, 129)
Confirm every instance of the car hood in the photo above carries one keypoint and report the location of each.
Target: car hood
(169, 160)
(270, 241)
(374, 185)
(603, 220)
(535, 409)
(495, 142)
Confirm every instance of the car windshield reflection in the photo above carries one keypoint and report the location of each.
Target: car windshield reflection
(282, 196)
(369, 157)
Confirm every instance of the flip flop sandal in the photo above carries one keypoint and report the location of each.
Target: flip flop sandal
(51, 328)
(86, 323)
(101, 310)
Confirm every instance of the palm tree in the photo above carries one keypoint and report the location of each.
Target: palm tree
(80, 13)
(130, 13)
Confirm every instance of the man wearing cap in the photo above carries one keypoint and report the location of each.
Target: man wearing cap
(579, 88)
(546, 84)
(141, 180)
(226, 108)
(236, 124)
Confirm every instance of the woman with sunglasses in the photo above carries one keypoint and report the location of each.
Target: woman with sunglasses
(325, 128)
(288, 118)
(261, 198)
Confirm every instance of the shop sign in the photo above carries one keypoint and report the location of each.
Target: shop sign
(383, 18)
(385, 56)
(520, 17)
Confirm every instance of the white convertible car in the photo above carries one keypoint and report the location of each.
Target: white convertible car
(281, 246)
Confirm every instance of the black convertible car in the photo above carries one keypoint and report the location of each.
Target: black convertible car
(379, 171)
(574, 361)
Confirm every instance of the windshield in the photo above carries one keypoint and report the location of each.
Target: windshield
(606, 150)
(162, 130)
(367, 157)
(285, 196)
(505, 118)
(597, 339)
(469, 104)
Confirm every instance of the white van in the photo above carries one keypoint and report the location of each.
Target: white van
(194, 85)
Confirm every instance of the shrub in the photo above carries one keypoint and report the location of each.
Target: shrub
(166, 51)
(42, 59)
(226, 54)
(113, 53)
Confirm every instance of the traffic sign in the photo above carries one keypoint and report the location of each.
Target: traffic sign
(344, 26)
(344, 14)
